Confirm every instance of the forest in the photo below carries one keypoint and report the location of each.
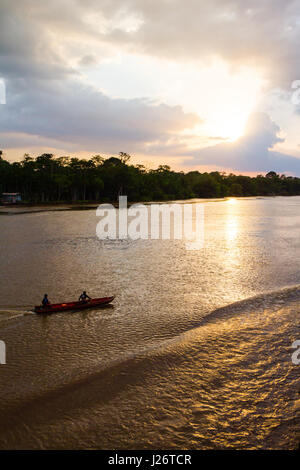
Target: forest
(47, 178)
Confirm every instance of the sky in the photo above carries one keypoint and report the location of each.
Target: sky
(193, 84)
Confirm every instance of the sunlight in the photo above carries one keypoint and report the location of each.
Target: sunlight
(231, 127)
(222, 97)
(232, 221)
(232, 229)
(227, 100)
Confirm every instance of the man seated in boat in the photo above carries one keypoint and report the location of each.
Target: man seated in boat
(84, 297)
(45, 301)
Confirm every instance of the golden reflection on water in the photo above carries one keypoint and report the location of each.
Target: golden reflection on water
(232, 228)
(232, 225)
(233, 259)
(232, 200)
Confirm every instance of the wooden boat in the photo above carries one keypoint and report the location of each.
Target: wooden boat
(52, 308)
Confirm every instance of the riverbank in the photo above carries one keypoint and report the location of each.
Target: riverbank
(14, 209)
(30, 208)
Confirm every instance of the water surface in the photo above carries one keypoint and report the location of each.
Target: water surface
(194, 353)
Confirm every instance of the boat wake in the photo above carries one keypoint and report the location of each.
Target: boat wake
(256, 305)
(10, 314)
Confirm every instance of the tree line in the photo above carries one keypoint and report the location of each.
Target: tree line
(47, 178)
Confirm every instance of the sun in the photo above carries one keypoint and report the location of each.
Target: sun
(227, 100)
(230, 126)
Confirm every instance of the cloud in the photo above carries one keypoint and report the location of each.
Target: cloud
(88, 60)
(27, 48)
(44, 45)
(77, 115)
(253, 151)
(259, 33)
(48, 36)
(41, 46)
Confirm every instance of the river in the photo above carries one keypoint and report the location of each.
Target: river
(194, 352)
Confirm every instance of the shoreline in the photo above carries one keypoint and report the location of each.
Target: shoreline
(30, 208)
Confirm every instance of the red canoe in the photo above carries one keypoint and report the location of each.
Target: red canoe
(73, 305)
